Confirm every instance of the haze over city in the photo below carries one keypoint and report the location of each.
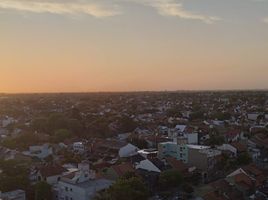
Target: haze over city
(133, 99)
(132, 45)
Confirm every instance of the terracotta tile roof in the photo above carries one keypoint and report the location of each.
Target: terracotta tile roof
(189, 129)
(252, 169)
(122, 169)
(177, 164)
(70, 175)
(232, 133)
(102, 165)
(223, 187)
(153, 138)
(51, 170)
(244, 181)
(261, 140)
(239, 146)
(220, 184)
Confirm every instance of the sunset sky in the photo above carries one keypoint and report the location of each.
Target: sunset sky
(132, 45)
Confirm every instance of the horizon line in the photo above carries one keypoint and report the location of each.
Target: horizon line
(136, 91)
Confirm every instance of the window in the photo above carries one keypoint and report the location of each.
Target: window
(66, 189)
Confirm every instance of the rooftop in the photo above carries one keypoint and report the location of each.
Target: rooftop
(200, 147)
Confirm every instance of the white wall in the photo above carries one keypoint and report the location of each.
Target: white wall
(192, 138)
(52, 180)
(253, 116)
(228, 147)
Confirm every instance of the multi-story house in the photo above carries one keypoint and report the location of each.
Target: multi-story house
(80, 185)
(177, 149)
(203, 157)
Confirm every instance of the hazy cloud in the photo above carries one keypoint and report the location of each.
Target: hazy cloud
(61, 7)
(176, 9)
(265, 20)
(102, 8)
(171, 8)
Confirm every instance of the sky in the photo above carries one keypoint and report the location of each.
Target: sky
(132, 45)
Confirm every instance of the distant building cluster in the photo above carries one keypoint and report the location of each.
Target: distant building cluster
(82, 144)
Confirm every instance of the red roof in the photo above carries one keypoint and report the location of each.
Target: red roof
(239, 146)
(122, 169)
(232, 133)
(102, 165)
(243, 180)
(51, 170)
(177, 164)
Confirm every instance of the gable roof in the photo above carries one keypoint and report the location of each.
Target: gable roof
(232, 133)
(239, 146)
(244, 181)
(123, 168)
(51, 170)
(148, 166)
(177, 164)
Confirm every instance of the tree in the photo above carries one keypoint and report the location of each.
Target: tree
(56, 121)
(132, 189)
(187, 188)
(129, 175)
(75, 126)
(127, 124)
(221, 116)
(22, 142)
(141, 143)
(14, 175)
(215, 139)
(40, 124)
(244, 159)
(61, 134)
(170, 178)
(43, 191)
(70, 157)
(199, 114)
(174, 112)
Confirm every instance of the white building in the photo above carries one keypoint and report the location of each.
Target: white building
(146, 153)
(82, 190)
(13, 195)
(182, 131)
(80, 185)
(228, 147)
(253, 116)
(79, 147)
(192, 138)
(40, 152)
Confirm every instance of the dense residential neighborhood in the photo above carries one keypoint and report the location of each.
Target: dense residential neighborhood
(145, 145)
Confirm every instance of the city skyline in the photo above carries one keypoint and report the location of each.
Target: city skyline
(132, 45)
